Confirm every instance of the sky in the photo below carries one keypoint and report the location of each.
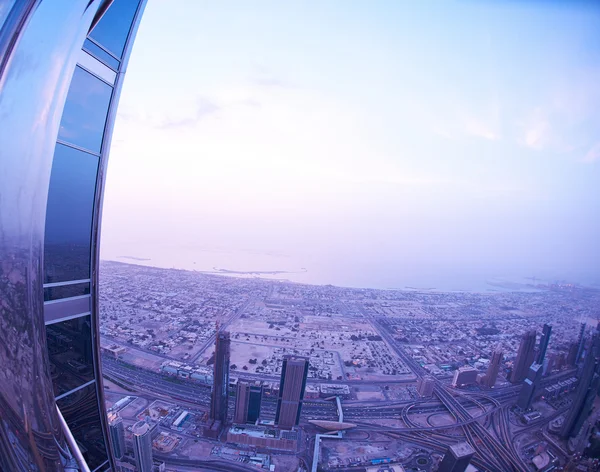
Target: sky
(371, 143)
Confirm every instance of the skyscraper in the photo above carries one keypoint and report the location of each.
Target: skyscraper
(524, 357)
(294, 372)
(530, 384)
(117, 435)
(457, 458)
(584, 395)
(62, 66)
(247, 402)
(142, 446)
(491, 374)
(544, 339)
(572, 355)
(218, 404)
(580, 342)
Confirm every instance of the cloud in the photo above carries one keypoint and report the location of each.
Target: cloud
(204, 108)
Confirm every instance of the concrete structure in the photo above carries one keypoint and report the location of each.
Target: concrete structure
(584, 395)
(263, 437)
(117, 435)
(543, 347)
(142, 446)
(62, 65)
(530, 385)
(464, 376)
(491, 374)
(524, 358)
(218, 404)
(457, 458)
(425, 386)
(332, 425)
(247, 402)
(338, 390)
(294, 372)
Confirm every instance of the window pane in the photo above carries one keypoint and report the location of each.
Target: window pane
(81, 413)
(113, 28)
(69, 215)
(85, 111)
(66, 291)
(70, 348)
(100, 54)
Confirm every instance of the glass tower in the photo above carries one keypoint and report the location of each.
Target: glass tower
(62, 66)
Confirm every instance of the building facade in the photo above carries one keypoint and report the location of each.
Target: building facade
(142, 446)
(62, 66)
(464, 376)
(425, 386)
(247, 402)
(218, 405)
(457, 458)
(117, 435)
(525, 356)
(491, 374)
(294, 372)
(544, 340)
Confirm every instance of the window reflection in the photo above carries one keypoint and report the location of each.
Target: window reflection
(85, 111)
(66, 291)
(100, 54)
(80, 410)
(70, 349)
(113, 28)
(69, 215)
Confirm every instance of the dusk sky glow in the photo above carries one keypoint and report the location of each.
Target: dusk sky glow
(447, 138)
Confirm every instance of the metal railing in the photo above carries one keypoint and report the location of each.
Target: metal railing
(83, 467)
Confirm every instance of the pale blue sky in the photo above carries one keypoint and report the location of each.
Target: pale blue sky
(439, 136)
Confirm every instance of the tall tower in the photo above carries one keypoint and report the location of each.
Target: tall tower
(527, 393)
(247, 402)
(117, 435)
(491, 375)
(584, 395)
(291, 391)
(544, 339)
(218, 404)
(524, 357)
(580, 343)
(457, 458)
(142, 446)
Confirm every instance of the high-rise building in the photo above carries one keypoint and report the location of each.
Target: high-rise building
(464, 376)
(247, 402)
(530, 385)
(457, 458)
(425, 386)
(584, 396)
(580, 343)
(524, 357)
(294, 372)
(544, 340)
(62, 66)
(142, 446)
(491, 374)
(117, 435)
(218, 404)
(572, 355)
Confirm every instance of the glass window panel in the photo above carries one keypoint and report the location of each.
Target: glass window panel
(69, 215)
(66, 291)
(85, 111)
(113, 28)
(70, 349)
(81, 413)
(101, 54)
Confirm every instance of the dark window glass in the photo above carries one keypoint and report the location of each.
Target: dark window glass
(101, 54)
(81, 413)
(66, 291)
(69, 215)
(113, 28)
(70, 349)
(85, 111)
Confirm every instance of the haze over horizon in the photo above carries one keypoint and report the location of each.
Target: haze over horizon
(408, 144)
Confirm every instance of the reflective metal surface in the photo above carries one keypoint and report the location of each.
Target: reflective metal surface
(39, 43)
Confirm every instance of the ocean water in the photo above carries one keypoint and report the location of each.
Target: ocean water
(318, 269)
